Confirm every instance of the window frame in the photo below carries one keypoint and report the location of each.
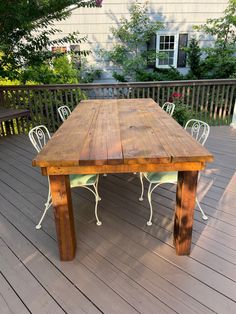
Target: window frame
(176, 45)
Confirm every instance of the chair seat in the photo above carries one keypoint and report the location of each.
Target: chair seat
(82, 179)
(163, 177)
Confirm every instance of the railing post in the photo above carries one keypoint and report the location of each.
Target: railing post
(233, 123)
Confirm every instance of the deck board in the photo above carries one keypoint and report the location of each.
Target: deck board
(123, 261)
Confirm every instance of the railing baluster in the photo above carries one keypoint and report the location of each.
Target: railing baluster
(225, 105)
(231, 102)
(207, 102)
(216, 103)
(221, 105)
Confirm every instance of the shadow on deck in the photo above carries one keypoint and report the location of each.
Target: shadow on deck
(122, 266)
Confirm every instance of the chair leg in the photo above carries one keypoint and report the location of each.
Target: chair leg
(149, 222)
(97, 198)
(47, 206)
(204, 216)
(141, 180)
(96, 189)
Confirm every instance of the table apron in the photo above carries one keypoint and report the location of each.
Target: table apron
(184, 166)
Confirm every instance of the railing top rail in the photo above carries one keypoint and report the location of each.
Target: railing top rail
(120, 85)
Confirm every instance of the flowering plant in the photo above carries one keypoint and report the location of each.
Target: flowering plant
(182, 112)
(175, 97)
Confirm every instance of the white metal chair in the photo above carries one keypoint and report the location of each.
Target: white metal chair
(39, 136)
(169, 107)
(64, 112)
(200, 131)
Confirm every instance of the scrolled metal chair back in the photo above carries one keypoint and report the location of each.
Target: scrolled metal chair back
(64, 112)
(169, 107)
(198, 129)
(39, 136)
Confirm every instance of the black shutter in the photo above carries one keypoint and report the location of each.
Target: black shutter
(183, 41)
(151, 46)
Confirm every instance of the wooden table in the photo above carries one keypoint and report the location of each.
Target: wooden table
(125, 135)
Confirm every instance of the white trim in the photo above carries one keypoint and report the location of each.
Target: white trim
(176, 44)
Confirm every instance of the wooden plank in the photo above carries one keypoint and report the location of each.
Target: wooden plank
(185, 204)
(9, 300)
(67, 142)
(140, 143)
(103, 144)
(64, 219)
(25, 284)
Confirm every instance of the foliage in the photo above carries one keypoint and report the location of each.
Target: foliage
(27, 28)
(220, 61)
(56, 71)
(129, 53)
(88, 73)
(194, 58)
(159, 75)
(182, 112)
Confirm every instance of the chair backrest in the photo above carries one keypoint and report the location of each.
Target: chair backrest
(198, 129)
(169, 107)
(39, 136)
(64, 112)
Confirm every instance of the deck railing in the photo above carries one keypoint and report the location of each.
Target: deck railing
(210, 100)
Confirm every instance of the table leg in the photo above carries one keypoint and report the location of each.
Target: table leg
(185, 204)
(64, 219)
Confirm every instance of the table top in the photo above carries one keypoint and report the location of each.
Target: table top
(120, 131)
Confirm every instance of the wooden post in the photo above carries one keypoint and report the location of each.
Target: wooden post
(64, 219)
(185, 204)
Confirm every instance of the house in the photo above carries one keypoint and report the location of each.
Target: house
(178, 16)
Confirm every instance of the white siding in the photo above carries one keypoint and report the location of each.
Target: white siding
(177, 15)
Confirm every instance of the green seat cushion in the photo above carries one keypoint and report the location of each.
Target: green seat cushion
(164, 177)
(82, 179)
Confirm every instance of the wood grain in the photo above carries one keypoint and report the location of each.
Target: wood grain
(120, 131)
(185, 204)
(64, 219)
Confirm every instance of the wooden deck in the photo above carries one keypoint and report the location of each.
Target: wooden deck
(122, 266)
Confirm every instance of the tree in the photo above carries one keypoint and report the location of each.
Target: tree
(220, 61)
(194, 58)
(26, 29)
(129, 54)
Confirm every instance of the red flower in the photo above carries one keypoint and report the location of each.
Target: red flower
(176, 95)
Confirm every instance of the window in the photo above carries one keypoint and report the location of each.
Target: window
(167, 43)
(171, 45)
(59, 49)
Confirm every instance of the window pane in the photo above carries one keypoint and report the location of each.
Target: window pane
(172, 39)
(167, 39)
(161, 46)
(162, 39)
(166, 46)
(172, 46)
(171, 54)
